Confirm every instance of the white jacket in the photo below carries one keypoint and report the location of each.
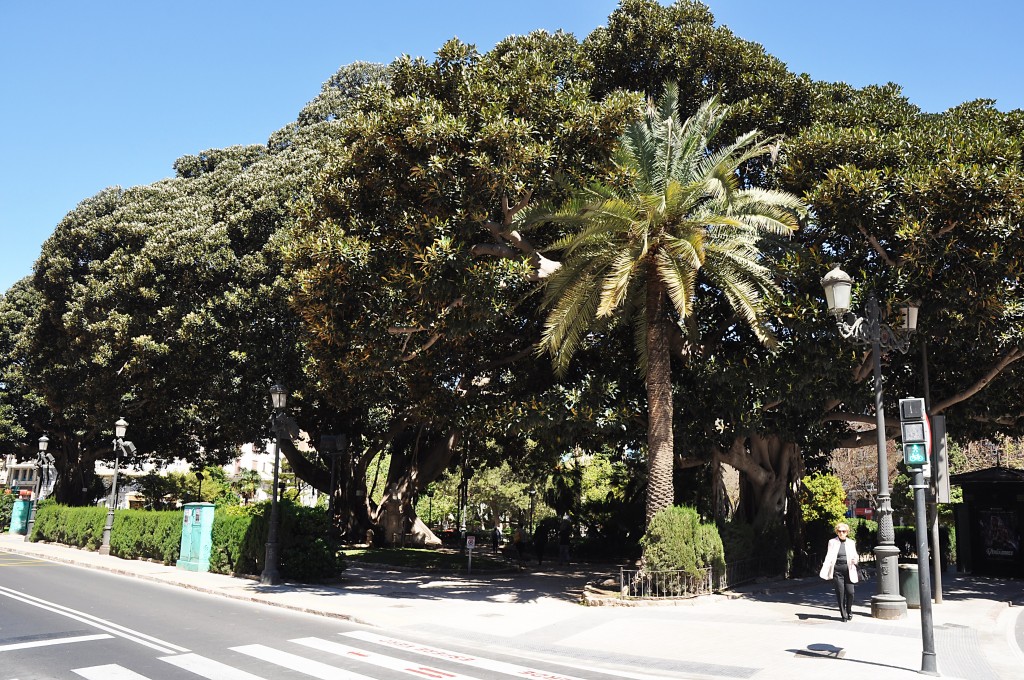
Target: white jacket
(828, 568)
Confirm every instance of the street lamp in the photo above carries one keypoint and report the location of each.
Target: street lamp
(887, 603)
(271, 576)
(43, 460)
(120, 447)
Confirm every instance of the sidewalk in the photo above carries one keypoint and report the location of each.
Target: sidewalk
(779, 630)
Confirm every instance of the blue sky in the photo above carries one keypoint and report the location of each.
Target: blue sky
(111, 92)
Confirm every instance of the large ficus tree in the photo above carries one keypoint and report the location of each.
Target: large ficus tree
(675, 219)
(150, 307)
(410, 273)
(924, 207)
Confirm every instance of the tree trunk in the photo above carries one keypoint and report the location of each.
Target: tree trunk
(416, 460)
(770, 469)
(660, 456)
(76, 484)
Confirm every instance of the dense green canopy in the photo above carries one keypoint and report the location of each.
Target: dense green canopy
(373, 256)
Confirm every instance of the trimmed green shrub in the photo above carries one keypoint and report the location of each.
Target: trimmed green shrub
(239, 537)
(737, 540)
(236, 548)
(80, 527)
(147, 534)
(677, 539)
(307, 553)
(6, 508)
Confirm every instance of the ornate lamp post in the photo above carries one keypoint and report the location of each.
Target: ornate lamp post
(120, 446)
(271, 576)
(43, 460)
(887, 603)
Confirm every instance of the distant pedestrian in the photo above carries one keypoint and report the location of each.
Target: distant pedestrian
(841, 566)
(495, 539)
(519, 543)
(540, 541)
(564, 537)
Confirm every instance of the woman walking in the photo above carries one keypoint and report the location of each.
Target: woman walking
(841, 566)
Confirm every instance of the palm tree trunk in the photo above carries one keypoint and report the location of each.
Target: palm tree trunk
(660, 459)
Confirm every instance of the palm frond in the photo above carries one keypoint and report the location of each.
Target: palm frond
(571, 315)
(616, 282)
(680, 283)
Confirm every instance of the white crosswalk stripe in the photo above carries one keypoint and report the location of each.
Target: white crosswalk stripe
(108, 672)
(458, 657)
(298, 663)
(208, 668)
(381, 660)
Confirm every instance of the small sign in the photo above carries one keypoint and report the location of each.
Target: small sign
(470, 542)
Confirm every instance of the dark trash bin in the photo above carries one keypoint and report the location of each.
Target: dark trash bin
(910, 585)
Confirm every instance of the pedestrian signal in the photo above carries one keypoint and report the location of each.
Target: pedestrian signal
(914, 428)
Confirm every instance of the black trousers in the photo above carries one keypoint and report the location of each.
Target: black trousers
(844, 592)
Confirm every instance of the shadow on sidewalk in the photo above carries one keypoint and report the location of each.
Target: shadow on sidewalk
(506, 588)
(812, 591)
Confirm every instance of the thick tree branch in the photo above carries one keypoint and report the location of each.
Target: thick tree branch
(737, 457)
(876, 246)
(1011, 355)
(508, 241)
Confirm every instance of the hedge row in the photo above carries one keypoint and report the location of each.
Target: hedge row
(239, 537)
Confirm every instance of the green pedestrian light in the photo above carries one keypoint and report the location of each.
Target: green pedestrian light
(913, 427)
(914, 454)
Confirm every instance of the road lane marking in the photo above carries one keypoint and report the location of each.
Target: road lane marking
(390, 662)
(54, 641)
(26, 563)
(298, 663)
(208, 668)
(458, 657)
(108, 672)
(94, 621)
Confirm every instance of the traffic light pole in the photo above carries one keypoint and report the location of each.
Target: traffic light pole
(928, 661)
(914, 431)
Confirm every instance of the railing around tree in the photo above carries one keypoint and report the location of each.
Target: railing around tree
(641, 584)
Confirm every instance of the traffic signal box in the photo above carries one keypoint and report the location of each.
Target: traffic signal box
(914, 427)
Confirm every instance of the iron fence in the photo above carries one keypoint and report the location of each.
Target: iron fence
(642, 584)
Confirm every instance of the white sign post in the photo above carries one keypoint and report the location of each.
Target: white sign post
(470, 544)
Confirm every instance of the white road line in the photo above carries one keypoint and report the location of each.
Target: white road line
(458, 657)
(381, 660)
(208, 668)
(54, 641)
(94, 621)
(298, 663)
(109, 672)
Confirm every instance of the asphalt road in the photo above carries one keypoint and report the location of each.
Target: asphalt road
(60, 621)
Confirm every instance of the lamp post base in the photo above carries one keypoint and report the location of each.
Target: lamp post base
(888, 607)
(271, 576)
(888, 603)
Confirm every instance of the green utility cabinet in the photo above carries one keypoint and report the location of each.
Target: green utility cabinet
(196, 537)
(19, 516)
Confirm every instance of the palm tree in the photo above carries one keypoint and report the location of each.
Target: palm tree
(678, 215)
(248, 483)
